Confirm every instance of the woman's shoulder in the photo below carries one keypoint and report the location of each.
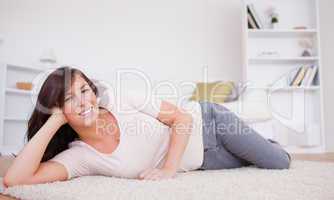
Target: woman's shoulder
(76, 143)
(79, 145)
(76, 149)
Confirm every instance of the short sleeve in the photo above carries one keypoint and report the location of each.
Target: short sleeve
(76, 161)
(143, 102)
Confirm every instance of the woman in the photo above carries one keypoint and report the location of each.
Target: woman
(131, 138)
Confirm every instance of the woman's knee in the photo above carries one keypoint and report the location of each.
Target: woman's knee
(281, 162)
(221, 158)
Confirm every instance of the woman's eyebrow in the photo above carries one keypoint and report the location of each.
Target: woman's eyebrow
(83, 85)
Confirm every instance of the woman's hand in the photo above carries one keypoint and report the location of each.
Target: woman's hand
(157, 174)
(58, 115)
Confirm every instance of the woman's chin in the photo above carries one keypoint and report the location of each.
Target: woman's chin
(87, 123)
(90, 120)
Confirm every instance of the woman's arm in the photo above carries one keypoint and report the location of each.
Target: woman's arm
(27, 167)
(181, 125)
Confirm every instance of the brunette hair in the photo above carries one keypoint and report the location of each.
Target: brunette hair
(52, 94)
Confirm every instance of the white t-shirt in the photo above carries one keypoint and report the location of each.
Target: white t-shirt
(144, 140)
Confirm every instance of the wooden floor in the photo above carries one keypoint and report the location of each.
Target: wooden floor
(326, 157)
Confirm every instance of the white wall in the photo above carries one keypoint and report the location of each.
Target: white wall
(171, 39)
(168, 40)
(327, 42)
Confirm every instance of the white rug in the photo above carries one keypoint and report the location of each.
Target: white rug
(305, 180)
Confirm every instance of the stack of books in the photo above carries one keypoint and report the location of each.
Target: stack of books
(254, 21)
(304, 76)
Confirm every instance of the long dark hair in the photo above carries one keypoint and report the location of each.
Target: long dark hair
(52, 94)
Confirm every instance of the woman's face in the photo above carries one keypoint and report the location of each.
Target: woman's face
(80, 106)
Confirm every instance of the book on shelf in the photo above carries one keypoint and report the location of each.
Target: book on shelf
(254, 21)
(304, 76)
(291, 77)
(298, 76)
(255, 16)
(251, 23)
(8, 152)
(308, 72)
(313, 75)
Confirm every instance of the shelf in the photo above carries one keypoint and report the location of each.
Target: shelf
(281, 33)
(10, 149)
(293, 88)
(288, 88)
(15, 119)
(20, 92)
(24, 68)
(278, 60)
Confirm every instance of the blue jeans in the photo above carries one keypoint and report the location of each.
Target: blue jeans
(230, 143)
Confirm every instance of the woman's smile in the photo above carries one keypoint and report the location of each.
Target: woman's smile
(86, 112)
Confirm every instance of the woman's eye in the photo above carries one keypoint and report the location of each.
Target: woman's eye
(85, 90)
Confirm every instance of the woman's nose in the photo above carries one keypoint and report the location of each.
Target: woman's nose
(79, 103)
(83, 100)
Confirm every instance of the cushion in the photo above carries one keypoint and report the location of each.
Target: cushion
(250, 111)
(216, 92)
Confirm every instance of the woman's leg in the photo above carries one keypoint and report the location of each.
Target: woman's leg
(221, 158)
(216, 156)
(244, 142)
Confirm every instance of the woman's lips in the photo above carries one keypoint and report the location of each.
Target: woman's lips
(86, 112)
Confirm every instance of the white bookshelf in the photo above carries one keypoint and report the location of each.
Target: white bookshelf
(15, 104)
(267, 75)
(281, 33)
(290, 88)
(283, 60)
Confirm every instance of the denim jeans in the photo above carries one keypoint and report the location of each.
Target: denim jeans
(230, 143)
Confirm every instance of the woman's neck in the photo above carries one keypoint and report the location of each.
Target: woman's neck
(91, 134)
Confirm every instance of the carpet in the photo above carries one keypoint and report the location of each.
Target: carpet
(305, 180)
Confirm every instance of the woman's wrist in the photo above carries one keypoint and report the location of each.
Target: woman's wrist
(57, 120)
(169, 167)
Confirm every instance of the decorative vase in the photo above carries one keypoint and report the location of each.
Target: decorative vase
(275, 25)
(48, 59)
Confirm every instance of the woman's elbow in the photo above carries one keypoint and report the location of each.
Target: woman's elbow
(8, 181)
(187, 121)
